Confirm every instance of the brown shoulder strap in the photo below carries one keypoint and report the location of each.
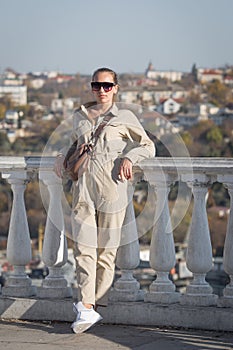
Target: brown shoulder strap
(101, 126)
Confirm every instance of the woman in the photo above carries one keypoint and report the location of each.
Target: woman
(103, 192)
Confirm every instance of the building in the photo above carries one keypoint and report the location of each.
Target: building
(169, 75)
(59, 105)
(187, 120)
(209, 75)
(18, 94)
(11, 119)
(151, 94)
(168, 106)
(222, 115)
(13, 87)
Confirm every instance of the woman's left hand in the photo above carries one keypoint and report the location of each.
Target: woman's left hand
(126, 169)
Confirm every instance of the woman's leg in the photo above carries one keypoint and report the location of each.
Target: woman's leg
(86, 259)
(109, 235)
(84, 231)
(104, 274)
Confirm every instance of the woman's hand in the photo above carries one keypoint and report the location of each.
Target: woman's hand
(58, 165)
(126, 169)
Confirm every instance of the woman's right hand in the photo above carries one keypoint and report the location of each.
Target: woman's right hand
(58, 165)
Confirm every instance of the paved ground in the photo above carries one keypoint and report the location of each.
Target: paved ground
(53, 335)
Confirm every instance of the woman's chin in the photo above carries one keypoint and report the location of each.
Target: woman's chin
(103, 100)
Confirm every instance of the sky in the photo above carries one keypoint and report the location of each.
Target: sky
(78, 36)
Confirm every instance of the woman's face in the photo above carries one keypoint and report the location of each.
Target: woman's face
(103, 96)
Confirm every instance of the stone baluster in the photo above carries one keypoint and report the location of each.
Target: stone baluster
(127, 288)
(162, 249)
(227, 299)
(199, 252)
(54, 253)
(18, 244)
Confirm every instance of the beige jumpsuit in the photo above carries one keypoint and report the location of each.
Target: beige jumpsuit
(100, 199)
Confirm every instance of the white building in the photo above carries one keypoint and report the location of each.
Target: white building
(153, 94)
(169, 75)
(129, 96)
(11, 119)
(37, 83)
(18, 94)
(209, 75)
(168, 106)
(61, 105)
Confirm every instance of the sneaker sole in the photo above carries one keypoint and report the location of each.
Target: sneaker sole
(80, 328)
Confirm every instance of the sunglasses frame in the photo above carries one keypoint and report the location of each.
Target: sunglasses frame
(107, 86)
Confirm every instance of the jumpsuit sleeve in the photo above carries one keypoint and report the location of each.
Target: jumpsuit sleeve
(142, 146)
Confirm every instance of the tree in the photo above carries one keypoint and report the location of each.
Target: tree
(2, 111)
(187, 138)
(215, 136)
(219, 94)
(5, 145)
(194, 73)
(7, 101)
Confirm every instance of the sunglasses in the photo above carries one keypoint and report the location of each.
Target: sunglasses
(96, 86)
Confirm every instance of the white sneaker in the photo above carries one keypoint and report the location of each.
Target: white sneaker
(85, 318)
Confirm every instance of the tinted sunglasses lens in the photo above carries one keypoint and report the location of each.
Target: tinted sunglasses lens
(107, 86)
(96, 86)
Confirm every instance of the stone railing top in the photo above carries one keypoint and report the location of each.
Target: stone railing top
(33, 163)
(203, 165)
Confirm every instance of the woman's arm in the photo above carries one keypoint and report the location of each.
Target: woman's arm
(142, 146)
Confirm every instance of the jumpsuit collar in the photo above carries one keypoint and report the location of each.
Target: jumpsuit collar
(112, 111)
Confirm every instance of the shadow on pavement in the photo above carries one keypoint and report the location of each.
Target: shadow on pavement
(108, 337)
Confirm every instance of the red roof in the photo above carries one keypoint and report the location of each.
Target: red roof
(211, 72)
(178, 100)
(228, 77)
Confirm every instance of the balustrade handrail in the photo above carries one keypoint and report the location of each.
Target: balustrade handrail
(208, 165)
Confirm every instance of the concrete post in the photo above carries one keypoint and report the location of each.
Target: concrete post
(127, 288)
(227, 299)
(162, 249)
(18, 244)
(54, 253)
(199, 252)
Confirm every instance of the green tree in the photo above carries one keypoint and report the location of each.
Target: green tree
(219, 94)
(214, 135)
(5, 145)
(187, 138)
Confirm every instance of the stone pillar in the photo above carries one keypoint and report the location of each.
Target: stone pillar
(199, 252)
(127, 288)
(18, 244)
(162, 249)
(227, 299)
(54, 253)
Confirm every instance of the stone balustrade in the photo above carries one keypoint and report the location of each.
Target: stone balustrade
(197, 173)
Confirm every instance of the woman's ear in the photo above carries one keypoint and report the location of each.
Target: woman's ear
(115, 89)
